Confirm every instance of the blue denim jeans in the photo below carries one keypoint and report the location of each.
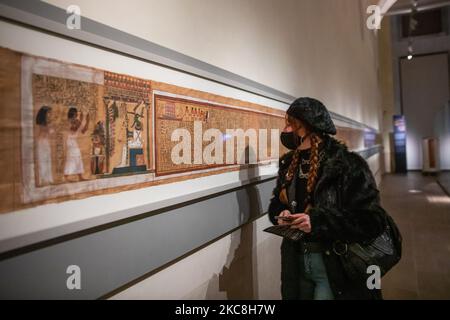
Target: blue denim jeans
(303, 275)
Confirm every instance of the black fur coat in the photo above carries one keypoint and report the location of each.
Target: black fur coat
(346, 207)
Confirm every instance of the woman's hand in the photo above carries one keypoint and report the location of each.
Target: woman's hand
(285, 213)
(302, 222)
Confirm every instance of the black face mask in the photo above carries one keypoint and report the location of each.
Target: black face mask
(289, 140)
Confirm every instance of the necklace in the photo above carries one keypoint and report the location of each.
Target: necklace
(303, 175)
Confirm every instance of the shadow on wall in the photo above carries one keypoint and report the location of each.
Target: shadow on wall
(238, 279)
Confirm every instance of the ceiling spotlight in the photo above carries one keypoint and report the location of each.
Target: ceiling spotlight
(410, 57)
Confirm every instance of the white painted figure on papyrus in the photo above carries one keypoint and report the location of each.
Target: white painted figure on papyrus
(74, 161)
(43, 149)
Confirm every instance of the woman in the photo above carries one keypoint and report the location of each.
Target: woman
(43, 149)
(74, 161)
(328, 193)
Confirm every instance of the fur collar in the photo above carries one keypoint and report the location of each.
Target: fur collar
(334, 163)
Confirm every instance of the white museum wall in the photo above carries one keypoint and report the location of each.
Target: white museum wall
(422, 45)
(425, 91)
(243, 264)
(304, 48)
(442, 132)
(387, 90)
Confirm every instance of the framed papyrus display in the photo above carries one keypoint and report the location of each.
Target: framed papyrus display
(85, 131)
(219, 122)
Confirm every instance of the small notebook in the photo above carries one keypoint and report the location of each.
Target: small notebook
(286, 232)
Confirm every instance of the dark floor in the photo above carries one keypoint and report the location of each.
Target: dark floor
(422, 212)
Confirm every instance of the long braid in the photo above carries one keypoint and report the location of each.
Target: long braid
(289, 176)
(313, 169)
(293, 166)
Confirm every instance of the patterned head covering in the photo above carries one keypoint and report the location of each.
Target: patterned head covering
(314, 113)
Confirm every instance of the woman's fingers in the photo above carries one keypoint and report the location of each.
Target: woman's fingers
(298, 221)
(302, 223)
(285, 213)
(299, 215)
(300, 218)
(303, 227)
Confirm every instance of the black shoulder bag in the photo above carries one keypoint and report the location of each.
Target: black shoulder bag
(384, 252)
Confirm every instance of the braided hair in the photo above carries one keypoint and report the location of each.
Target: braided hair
(313, 169)
(312, 174)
